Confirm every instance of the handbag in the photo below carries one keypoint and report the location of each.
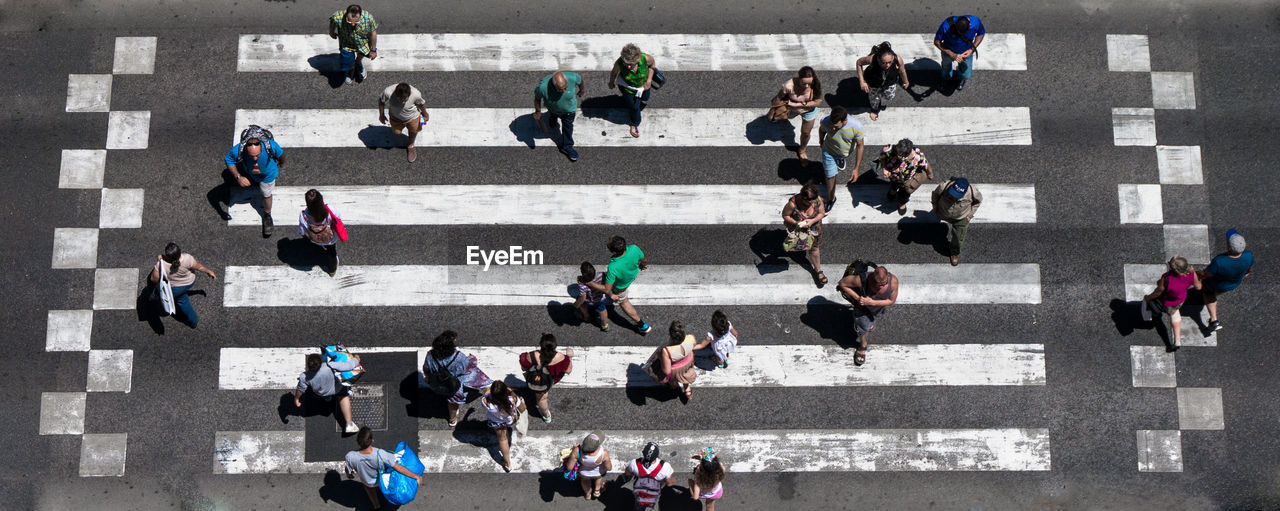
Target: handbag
(572, 473)
(650, 367)
(163, 292)
(913, 183)
(658, 79)
(778, 109)
(338, 226)
(522, 423)
(798, 240)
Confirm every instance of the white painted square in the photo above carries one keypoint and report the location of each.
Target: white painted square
(1188, 240)
(110, 371)
(88, 93)
(128, 130)
(1179, 165)
(1128, 52)
(1140, 279)
(1152, 367)
(75, 247)
(103, 455)
(1159, 450)
(62, 413)
(1140, 204)
(68, 330)
(1132, 126)
(1173, 90)
(82, 168)
(121, 208)
(1200, 408)
(135, 56)
(115, 288)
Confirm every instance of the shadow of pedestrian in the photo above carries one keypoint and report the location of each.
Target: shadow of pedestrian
(552, 483)
(766, 244)
(527, 131)
(795, 169)
(377, 136)
(761, 130)
(1126, 316)
(561, 313)
(329, 65)
(422, 402)
(348, 493)
(831, 320)
(640, 387)
(924, 73)
(615, 495)
(229, 193)
(149, 310)
(920, 231)
(312, 406)
(677, 498)
(300, 253)
(478, 433)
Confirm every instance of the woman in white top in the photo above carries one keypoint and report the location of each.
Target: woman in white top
(593, 463)
(181, 269)
(503, 409)
(319, 223)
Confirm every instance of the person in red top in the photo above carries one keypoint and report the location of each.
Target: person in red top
(543, 368)
(1170, 293)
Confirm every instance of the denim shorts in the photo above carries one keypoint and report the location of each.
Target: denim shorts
(599, 306)
(830, 165)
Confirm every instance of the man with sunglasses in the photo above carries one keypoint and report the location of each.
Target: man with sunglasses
(958, 39)
(250, 165)
(357, 35)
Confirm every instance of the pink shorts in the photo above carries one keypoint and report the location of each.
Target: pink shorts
(714, 494)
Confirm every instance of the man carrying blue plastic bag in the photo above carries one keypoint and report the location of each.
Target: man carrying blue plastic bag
(369, 463)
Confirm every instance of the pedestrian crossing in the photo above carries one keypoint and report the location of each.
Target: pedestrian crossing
(745, 451)
(608, 127)
(755, 365)
(597, 52)
(727, 204)
(535, 285)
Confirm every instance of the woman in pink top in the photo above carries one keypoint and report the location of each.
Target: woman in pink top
(802, 95)
(1170, 292)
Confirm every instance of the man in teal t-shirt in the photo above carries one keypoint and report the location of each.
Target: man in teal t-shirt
(625, 265)
(1225, 273)
(560, 91)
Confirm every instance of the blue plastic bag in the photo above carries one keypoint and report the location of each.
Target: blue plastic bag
(400, 489)
(339, 353)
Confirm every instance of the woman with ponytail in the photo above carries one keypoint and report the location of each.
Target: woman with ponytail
(543, 368)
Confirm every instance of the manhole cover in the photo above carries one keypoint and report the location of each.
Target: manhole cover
(368, 406)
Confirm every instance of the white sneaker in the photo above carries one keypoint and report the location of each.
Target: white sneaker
(351, 428)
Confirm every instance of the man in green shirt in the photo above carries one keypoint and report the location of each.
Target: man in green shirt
(625, 265)
(561, 92)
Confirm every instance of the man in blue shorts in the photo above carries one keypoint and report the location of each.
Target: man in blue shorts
(1225, 273)
(837, 134)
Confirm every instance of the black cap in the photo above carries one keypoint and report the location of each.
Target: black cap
(649, 453)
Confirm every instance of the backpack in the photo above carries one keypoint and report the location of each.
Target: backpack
(859, 267)
(339, 353)
(538, 377)
(262, 134)
(647, 486)
(443, 382)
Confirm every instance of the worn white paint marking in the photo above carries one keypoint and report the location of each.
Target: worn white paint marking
(62, 413)
(1200, 408)
(134, 56)
(115, 288)
(75, 247)
(616, 205)
(284, 286)
(121, 208)
(1159, 450)
(597, 52)
(1153, 367)
(88, 93)
(1140, 204)
(1132, 126)
(1140, 279)
(110, 371)
(1179, 165)
(1174, 90)
(128, 130)
(265, 452)
(662, 127)
(68, 330)
(1190, 241)
(753, 366)
(103, 455)
(1128, 52)
(82, 168)
(832, 450)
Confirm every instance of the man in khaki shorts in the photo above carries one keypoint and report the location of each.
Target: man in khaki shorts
(624, 266)
(406, 106)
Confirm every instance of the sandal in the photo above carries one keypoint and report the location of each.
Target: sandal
(453, 423)
(820, 278)
(595, 494)
(635, 131)
(860, 357)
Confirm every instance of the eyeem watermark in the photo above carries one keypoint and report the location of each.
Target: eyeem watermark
(514, 255)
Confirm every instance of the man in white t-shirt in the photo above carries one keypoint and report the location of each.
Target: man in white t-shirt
(652, 475)
(406, 106)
